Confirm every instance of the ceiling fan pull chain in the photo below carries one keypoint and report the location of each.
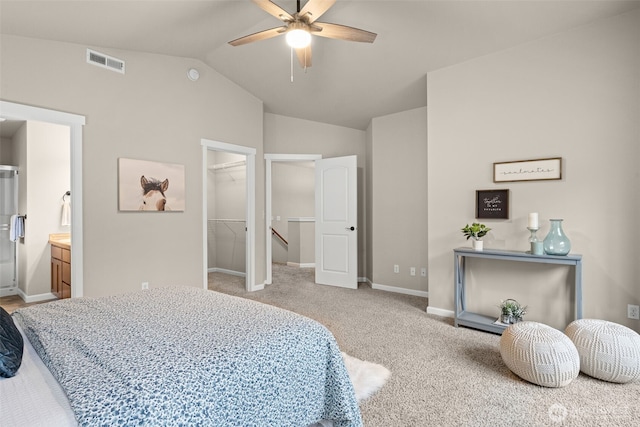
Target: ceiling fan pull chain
(291, 65)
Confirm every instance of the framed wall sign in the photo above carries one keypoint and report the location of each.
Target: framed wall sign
(528, 170)
(492, 204)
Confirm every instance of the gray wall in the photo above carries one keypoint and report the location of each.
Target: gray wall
(573, 95)
(398, 210)
(6, 151)
(153, 112)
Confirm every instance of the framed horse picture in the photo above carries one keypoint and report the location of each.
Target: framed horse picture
(144, 185)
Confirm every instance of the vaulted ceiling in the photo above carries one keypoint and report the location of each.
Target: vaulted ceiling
(349, 83)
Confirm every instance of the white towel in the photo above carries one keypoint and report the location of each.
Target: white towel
(16, 230)
(66, 211)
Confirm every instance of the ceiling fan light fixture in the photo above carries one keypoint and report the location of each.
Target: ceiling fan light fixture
(298, 38)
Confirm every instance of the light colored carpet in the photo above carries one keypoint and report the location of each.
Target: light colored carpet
(441, 375)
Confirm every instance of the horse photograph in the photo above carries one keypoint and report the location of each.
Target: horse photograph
(144, 186)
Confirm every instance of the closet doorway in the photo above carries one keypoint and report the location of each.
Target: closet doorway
(228, 211)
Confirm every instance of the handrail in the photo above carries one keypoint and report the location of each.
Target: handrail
(273, 231)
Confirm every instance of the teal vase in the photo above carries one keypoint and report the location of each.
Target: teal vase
(556, 242)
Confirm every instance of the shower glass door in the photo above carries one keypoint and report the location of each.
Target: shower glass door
(8, 207)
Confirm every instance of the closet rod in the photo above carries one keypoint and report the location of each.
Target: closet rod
(228, 165)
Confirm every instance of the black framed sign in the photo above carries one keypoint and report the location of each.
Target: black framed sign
(492, 204)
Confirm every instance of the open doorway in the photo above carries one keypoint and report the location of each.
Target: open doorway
(229, 212)
(293, 216)
(277, 250)
(335, 220)
(226, 211)
(10, 111)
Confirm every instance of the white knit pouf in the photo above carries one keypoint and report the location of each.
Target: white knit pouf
(608, 351)
(539, 354)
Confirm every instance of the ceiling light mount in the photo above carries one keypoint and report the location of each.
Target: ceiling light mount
(298, 35)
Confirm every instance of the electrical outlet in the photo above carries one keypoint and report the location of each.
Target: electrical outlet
(396, 268)
(423, 272)
(145, 285)
(633, 311)
(412, 271)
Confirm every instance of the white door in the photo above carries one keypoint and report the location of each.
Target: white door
(336, 222)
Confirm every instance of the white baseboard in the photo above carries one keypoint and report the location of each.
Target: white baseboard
(225, 271)
(36, 298)
(302, 265)
(440, 312)
(258, 287)
(5, 292)
(424, 294)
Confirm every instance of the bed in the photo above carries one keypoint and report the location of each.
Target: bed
(175, 356)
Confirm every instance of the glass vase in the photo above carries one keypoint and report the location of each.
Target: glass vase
(556, 242)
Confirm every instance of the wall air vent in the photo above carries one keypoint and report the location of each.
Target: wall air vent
(105, 61)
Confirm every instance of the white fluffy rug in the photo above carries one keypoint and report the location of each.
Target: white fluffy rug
(367, 377)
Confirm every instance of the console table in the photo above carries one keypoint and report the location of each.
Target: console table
(486, 323)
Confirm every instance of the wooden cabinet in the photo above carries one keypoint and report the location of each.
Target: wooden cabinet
(60, 271)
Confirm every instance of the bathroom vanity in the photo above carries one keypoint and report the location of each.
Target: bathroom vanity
(60, 265)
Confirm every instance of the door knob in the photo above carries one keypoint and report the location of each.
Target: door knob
(350, 228)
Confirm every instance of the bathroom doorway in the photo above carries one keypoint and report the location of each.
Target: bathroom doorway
(8, 208)
(73, 124)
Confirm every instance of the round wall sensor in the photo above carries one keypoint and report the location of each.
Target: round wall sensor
(193, 74)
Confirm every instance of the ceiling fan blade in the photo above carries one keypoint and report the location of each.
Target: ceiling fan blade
(273, 9)
(315, 8)
(304, 56)
(261, 35)
(342, 32)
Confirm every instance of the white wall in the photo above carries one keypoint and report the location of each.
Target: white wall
(398, 212)
(153, 112)
(574, 95)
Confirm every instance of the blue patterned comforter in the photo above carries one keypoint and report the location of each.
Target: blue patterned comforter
(186, 356)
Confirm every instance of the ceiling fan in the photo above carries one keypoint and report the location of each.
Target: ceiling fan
(299, 27)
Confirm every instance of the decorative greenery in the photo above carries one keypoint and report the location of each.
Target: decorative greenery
(519, 312)
(476, 230)
(512, 310)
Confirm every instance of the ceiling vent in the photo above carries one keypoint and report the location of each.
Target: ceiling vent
(105, 61)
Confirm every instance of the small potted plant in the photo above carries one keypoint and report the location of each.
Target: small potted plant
(477, 232)
(518, 314)
(511, 311)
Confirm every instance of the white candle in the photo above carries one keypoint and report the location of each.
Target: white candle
(533, 220)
